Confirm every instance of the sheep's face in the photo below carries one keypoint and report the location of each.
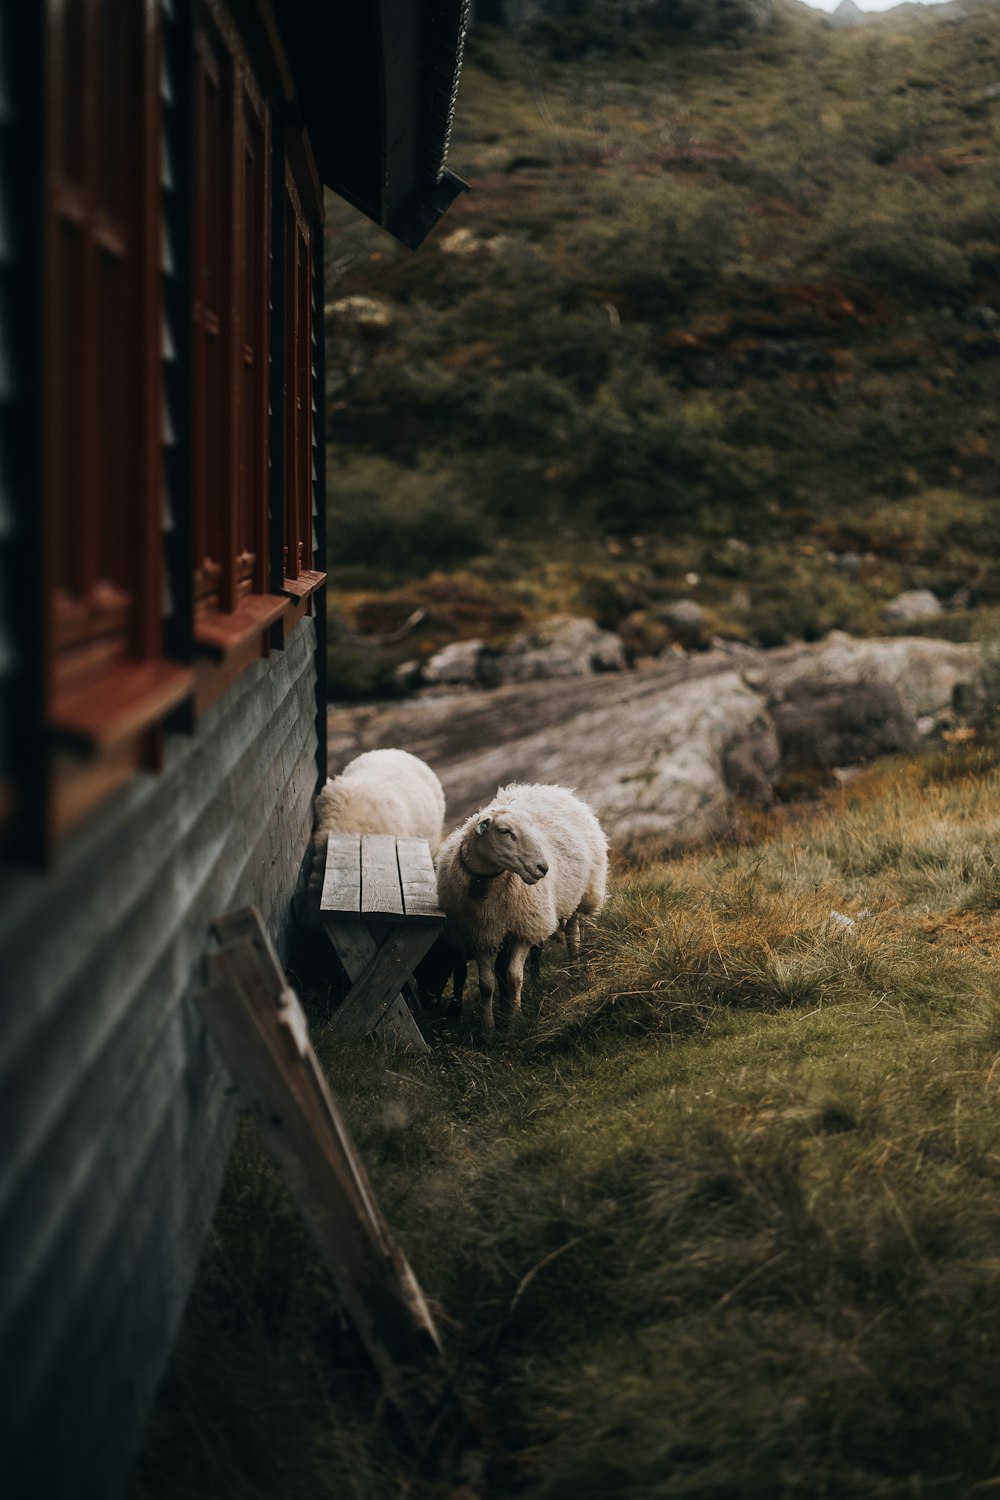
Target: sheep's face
(510, 843)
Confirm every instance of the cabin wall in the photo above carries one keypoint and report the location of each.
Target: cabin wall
(114, 1110)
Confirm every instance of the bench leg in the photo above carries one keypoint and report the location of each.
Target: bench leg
(377, 972)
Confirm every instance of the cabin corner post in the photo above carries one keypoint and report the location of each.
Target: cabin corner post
(23, 129)
(179, 142)
(276, 435)
(319, 455)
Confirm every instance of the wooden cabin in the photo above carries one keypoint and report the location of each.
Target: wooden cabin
(162, 691)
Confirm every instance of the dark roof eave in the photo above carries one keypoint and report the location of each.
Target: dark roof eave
(376, 88)
(414, 219)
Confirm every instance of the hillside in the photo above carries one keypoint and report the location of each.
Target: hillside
(719, 318)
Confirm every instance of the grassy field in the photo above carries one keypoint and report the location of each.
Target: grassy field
(722, 1221)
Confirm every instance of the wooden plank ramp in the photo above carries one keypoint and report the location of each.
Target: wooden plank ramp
(257, 1023)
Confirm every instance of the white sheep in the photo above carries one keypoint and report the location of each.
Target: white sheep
(381, 791)
(523, 867)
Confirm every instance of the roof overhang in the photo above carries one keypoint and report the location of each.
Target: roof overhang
(375, 82)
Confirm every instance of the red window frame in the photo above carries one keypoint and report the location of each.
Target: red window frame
(106, 679)
(107, 278)
(298, 391)
(102, 316)
(231, 325)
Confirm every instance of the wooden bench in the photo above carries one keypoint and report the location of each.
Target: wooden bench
(380, 911)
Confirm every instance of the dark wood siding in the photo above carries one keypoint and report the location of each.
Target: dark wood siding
(112, 1108)
(7, 363)
(319, 502)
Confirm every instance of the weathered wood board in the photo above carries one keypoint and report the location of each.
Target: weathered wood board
(381, 895)
(259, 1027)
(370, 1007)
(342, 878)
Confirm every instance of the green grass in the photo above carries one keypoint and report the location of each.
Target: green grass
(721, 1221)
(719, 291)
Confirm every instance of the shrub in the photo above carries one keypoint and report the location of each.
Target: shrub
(404, 521)
(907, 256)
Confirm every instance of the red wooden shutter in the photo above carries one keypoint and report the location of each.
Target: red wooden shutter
(102, 333)
(252, 532)
(212, 410)
(231, 312)
(298, 386)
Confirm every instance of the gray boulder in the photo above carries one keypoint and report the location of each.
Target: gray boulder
(665, 779)
(910, 606)
(455, 665)
(686, 619)
(829, 722)
(367, 314)
(563, 646)
(925, 673)
(664, 754)
(661, 755)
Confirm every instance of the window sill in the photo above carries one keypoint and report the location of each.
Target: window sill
(223, 636)
(305, 585)
(301, 591)
(103, 730)
(104, 714)
(229, 643)
(110, 725)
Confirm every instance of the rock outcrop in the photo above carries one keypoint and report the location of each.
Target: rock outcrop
(678, 763)
(561, 646)
(913, 605)
(665, 754)
(924, 673)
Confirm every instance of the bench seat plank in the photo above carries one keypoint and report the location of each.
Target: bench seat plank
(342, 880)
(380, 892)
(418, 882)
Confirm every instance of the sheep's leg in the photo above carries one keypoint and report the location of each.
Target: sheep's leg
(459, 973)
(515, 974)
(487, 988)
(535, 961)
(573, 934)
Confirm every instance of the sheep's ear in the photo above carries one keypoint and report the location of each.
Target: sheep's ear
(481, 829)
